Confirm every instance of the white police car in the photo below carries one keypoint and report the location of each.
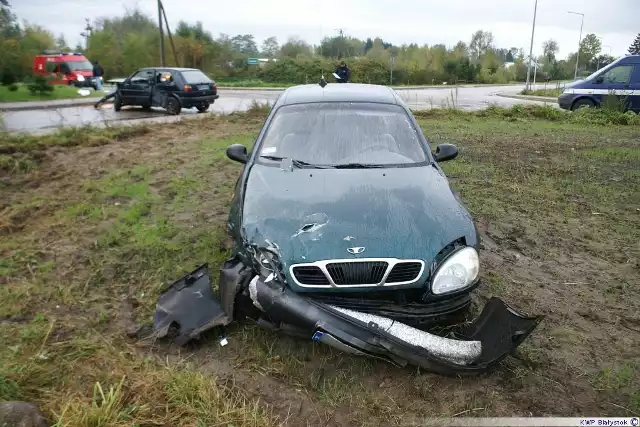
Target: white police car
(621, 79)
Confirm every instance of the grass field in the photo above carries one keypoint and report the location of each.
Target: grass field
(551, 92)
(93, 223)
(23, 94)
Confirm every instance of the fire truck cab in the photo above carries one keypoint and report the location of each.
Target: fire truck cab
(69, 68)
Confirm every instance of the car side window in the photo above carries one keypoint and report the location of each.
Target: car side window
(618, 75)
(635, 78)
(164, 77)
(142, 76)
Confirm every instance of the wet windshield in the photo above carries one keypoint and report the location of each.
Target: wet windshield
(601, 70)
(342, 133)
(79, 65)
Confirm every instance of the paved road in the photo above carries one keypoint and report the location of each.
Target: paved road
(38, 121)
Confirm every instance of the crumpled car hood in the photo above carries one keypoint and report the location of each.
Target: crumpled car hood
(316, 214)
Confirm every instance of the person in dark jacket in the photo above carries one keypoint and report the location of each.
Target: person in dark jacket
(98, 72)
(343, 72)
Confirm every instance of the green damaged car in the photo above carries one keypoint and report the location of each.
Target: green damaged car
(346, 231)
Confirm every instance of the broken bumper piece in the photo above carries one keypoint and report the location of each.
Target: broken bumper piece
(485, 342)
(189, 305)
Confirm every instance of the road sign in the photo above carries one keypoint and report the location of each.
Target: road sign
(253, 61)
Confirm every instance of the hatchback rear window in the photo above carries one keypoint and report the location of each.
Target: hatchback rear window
(195, 76)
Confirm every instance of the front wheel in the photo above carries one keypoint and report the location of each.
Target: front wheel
(117, 103)
(582, 103)
(173, 107)
(203, 107)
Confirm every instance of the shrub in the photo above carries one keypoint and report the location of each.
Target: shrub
(13, 87)
(8, 78)
(40, 85)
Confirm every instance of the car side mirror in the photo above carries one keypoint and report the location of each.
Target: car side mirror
(599, 79)
(445, 152)
(237, 152)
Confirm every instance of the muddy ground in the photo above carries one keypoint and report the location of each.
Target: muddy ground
(90, 234)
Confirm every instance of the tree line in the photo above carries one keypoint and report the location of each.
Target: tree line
(126, 43)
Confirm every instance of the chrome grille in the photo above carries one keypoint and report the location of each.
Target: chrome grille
(310, 275)
(357, 273)
(361, 272)
(404, 272)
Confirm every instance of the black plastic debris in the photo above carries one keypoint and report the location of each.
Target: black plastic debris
(189, 305)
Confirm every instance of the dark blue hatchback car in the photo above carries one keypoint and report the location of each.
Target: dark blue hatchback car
(621, 79)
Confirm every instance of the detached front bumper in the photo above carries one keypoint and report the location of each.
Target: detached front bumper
(565, 100)
(190, 304)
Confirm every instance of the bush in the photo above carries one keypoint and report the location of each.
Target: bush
(41, 86)
(13, 87)
(8, 78)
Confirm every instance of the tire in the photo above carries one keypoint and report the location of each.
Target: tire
(117, 103)
(582, 103)
(173, 106)
(203, 107)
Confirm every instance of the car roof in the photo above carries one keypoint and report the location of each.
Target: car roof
(630, 59)
(338, 92)
(169, 68)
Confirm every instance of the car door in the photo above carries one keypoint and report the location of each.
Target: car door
(635, 87)
(616, 83)
(136, 90)
(165, 83)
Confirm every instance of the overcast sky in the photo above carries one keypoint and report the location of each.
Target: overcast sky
(616, 22)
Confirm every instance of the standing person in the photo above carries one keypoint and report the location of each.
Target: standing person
(98, 72)
(343, 72)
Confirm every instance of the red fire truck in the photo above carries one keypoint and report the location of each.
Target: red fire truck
(65, 68)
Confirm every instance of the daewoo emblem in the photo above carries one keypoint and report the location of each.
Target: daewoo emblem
(356, 250)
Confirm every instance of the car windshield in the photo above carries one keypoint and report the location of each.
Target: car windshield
(195, 76)
(601, 71)
(79, 65)
(343, 134)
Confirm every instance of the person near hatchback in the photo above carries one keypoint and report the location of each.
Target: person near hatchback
(343, 72)
(98, 72)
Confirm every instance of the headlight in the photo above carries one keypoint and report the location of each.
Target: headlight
(80, 77)
(458, 271)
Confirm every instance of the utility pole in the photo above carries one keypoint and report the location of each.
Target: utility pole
(533, 29)
(393, 63)
(575, 75)
(163, 60)
(341, 44)
(87, 33)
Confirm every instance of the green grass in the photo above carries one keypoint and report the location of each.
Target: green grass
(23, 94)
(553, 92)
(91, 232)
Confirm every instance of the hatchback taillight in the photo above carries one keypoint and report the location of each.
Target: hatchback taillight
(188, 88)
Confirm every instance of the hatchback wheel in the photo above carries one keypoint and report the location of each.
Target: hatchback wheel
(173, 107)
(203, 107)
(117, 103)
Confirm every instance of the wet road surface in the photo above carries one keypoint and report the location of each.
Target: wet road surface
(38, 121)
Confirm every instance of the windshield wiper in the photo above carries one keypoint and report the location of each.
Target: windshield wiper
(357, 166)
(297, 163)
